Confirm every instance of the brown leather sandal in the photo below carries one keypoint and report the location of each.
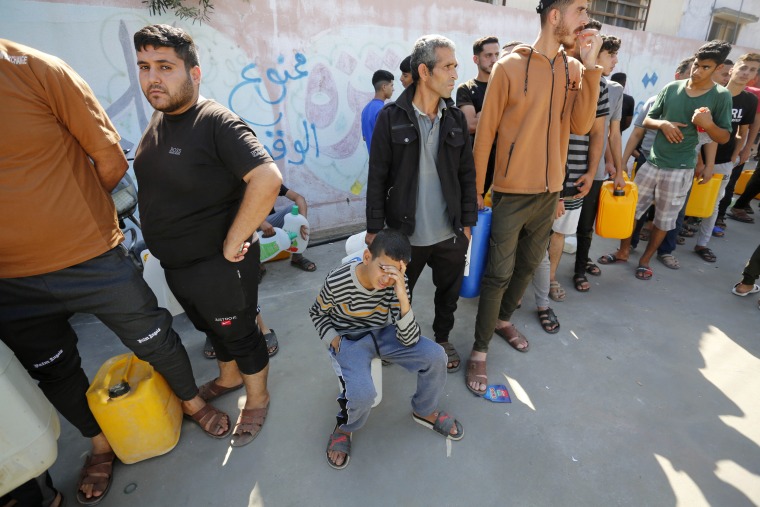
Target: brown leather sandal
(476, 372)
(248, 426)
(211, 390)
(514, 337)
(210, 419)
(98, 472)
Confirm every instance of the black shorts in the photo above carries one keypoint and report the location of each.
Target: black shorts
(220, 298)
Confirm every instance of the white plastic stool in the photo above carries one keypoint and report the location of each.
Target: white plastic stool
(571, 244)
(376, 370)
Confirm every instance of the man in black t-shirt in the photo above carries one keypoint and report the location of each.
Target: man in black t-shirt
(744, 109)
(629, 105)
(470, 94)
(205, 185)
(724, 156)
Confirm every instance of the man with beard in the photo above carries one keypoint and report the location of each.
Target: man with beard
(537, 95)
(61, 252)
(470, 94)
(205, 185)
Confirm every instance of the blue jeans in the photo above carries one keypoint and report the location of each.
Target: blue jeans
(668, 244)
(352, 364)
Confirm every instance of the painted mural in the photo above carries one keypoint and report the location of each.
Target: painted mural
(298, 71)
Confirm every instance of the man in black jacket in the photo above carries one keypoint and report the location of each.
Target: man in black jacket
(422, 179)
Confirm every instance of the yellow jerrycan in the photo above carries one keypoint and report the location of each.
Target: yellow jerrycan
(741, 183)
(701, 203)
(135, 408)
(488, 198)
(617, 210)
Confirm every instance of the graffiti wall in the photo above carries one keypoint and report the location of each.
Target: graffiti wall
(298, 71)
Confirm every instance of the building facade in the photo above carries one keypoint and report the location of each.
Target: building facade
(735, 21)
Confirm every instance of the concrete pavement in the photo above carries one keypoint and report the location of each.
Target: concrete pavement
(647, 396)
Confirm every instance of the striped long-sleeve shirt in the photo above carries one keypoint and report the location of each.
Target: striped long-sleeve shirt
(577, 150)
(344, 306)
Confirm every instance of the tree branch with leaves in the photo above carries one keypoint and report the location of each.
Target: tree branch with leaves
(200, 13)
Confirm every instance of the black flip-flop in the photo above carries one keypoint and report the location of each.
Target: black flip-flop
(609, 259)
(271, 339)
(644, 273)
(208, 350)
(578, 280)
(592, 269)
(706, 254)
(303, 263)
(548, 318)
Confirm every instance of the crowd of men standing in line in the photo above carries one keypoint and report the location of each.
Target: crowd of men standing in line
(544, 153)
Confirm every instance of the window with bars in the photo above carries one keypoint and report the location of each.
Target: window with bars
(727, 23)
(625, 13)
(722, 29)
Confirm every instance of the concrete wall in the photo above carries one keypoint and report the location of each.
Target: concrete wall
(697, 17)
(665, 16)
(297, 75)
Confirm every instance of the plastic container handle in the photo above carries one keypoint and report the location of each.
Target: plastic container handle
(127, 368)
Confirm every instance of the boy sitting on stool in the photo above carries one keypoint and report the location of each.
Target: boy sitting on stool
(362, 312)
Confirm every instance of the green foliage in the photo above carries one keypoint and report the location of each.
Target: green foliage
(200, 13)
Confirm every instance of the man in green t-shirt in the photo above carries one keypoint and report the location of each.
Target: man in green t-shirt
(683, 112)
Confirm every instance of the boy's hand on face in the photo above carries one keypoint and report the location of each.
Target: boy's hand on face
(398, 278)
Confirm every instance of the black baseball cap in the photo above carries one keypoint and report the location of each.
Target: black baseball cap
(543, 5)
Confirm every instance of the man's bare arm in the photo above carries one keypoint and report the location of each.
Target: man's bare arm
(744, 154)
(706, 166)
(300, 201)
(616, 147)
(471, 116)
(595, 143)
(741, 140)
(262, 186)
(637, 134)
(110, 165)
